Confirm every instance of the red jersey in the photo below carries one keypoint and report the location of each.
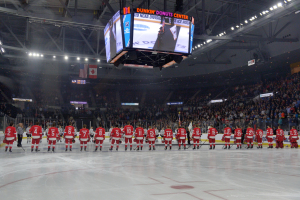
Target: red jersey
(259, 134)
(10, 133)
(36, 131)
(249, 133)
(181, 134)
(294, 134)
(168, 133)
(69, 132)
(279, 135)
(238, 133)
(52, 133)
(128, 130)
(212, 132)
(269, 133)
(84, 134)
(196, 133)
(139, 133)
(100, 134)
(116, 133)
(151, 134)
(227, 132)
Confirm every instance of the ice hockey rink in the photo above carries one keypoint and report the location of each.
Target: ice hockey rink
(186, 174)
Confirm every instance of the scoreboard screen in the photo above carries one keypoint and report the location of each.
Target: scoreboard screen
(161, 33)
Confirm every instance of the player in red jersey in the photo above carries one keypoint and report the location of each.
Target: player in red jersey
(99, 137)
(10, 136)
(270, 136)
(168, 137)
(84, 137)
(128, 130)
(259, 135)
(52, 135)
(227, 136)
(36, 132)
(115, 137)
(196, 136)
(238, 137)
(151, 137)
(69, 135)
(181, 137)
(139, 137)
(294, 137)
(212, 132)
(279, 138)
(249, 137)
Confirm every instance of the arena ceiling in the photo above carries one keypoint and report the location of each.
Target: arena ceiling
(75, 28)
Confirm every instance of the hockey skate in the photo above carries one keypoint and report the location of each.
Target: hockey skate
(130, 148)
(149, 148)
(269, 147)
(248, 147)
(225, 147)
(241, 147)
(198, 147)
(252, 146)
(80, 148)
(31, 149)
(210, 147)
(36, 149)
(229, 147)
(48, 148)
(153, 148)
(84, 148)
(66, 149)
(111, 149)
(258, 147)
(53, 150)
(6, 150)
(10, 150)
(166, 148)
(141, 148)
(179, 148)
(214, 146)
(70, 149)
(194, 148)
(117, 148)
(96, 148)
(185, 148)
(125, 148)
(170, 148)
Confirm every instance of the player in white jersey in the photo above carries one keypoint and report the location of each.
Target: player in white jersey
(92, 133)
(28, 134)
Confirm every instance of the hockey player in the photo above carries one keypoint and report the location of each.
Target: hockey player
(84, 137)
(151, 137)
(181, 137)
(99, 137)
(259, 135)
(69, 135)
(227, 136)
(92, 133)
(115, 137)
(36, 132)
(238, 137)
(10, 136)
(294, 137)
(168, 137)
(52, 136)
(249, 137)
(28, 134)
(60, 133)
(196, 136)
(139, 137)
(212, 132)
(128, 130)
(279, 138)
(270, 136)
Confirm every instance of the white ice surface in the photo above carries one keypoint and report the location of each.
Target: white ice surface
(213, 174)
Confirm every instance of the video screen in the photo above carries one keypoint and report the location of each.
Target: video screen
(161, 33)
(126, 27)
(113, 37)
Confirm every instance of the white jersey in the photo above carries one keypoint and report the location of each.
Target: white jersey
(27, 130)
(92, 132)
(60, 131)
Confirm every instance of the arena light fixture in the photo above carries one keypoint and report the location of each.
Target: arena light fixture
(33, 54)
(78, 58)
(54, 56)
(275, 7)
(30, 54)
(98, 60)
(237, 26)
(38, 55)
(42, 55)
(3, 51)
(279, 5)
(86, 59)
(66, 57)
(232, 28)
(271, 8)
(198, 45)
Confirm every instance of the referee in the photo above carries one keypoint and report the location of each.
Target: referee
(20, 132)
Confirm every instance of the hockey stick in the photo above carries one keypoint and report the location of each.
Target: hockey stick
(202, 144)
(23, 148)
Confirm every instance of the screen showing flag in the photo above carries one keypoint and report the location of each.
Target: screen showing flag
(83, 70)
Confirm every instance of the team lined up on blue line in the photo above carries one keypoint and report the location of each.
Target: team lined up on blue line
(139, 135)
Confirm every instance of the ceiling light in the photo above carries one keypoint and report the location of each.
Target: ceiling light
(34, 54)
(275, 7)
(195, 47)
(271, 9)
(232, 28)
(246, 21)
(54, 56)
(66, 57)
(42, 55)
(3, 51)
(98, 60)
(0, 42)
(38, 55)
(86, 59)
(237, 26)
(30, 54)
(198, 45)
(78, 58)
(279, 5)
